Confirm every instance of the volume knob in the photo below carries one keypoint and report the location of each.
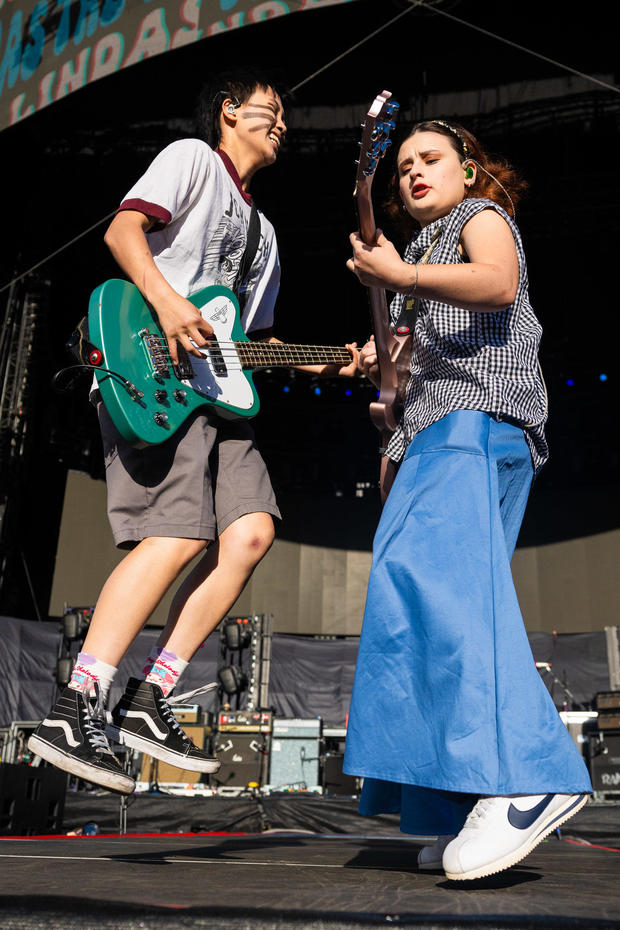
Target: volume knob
(160, 418)
(179, 395)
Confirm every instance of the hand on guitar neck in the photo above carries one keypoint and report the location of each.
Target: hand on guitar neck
(330, 369)
(368, 362)
(380, 265)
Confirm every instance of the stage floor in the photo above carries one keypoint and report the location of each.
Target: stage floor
(300, 880)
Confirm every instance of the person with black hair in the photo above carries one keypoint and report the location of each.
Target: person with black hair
(450, 722)
(184, 225)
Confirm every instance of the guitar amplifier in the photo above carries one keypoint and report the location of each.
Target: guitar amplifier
(243, 758)
(153, 770)
(295, 754)
(605, 762)
(608, 700)
(335, 782)
(187, 713)
(608, 706)
(244, 721)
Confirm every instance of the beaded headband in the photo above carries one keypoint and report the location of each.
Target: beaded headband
(455, 132)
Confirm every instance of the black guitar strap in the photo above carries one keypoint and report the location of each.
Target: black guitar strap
(249, 254)
(411, 305)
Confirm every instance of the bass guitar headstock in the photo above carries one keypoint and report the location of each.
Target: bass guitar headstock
(379, 123)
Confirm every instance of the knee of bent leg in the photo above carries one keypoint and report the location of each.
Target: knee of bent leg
(251, 537)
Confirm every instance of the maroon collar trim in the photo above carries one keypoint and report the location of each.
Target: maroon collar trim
(234, 175)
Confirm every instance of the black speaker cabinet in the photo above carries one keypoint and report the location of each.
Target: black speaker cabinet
(605, 762)
(32, 800)
(335, 782)
(243, 758)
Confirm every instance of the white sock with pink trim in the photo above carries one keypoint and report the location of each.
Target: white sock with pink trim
(166, 670)
(89, 670)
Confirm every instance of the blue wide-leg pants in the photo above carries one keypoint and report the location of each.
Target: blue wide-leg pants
(447, 703)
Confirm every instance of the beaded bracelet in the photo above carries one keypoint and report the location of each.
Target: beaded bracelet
(411, 290)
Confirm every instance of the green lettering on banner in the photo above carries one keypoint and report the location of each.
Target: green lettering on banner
(33, 52)
(51, 48)
(62, 33)
(11, 59)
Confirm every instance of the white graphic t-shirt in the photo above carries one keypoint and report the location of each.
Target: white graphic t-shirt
(202, 221)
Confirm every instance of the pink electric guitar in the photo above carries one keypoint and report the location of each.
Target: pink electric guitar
(393, 352)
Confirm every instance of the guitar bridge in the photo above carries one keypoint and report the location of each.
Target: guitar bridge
(157, 352)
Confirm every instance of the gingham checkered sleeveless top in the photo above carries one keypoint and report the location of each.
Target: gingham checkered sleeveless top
(463, 360)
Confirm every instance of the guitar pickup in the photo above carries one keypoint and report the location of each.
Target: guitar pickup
(217, 359)
(184, 370)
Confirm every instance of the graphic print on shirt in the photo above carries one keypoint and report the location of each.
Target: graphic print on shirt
(224, 252)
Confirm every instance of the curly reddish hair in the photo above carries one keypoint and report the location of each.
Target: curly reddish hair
(466, 147)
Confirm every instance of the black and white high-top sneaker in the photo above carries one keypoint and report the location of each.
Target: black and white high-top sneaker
(72, 737)
(143, 719)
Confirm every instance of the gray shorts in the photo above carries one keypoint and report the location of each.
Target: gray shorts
(194, 485)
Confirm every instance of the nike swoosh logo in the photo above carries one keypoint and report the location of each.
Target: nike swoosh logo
(63, 726)
(148, 720)
(521, 820)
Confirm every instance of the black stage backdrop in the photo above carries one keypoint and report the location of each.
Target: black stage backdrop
(309, 676)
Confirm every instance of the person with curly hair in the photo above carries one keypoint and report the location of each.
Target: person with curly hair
(450, 722)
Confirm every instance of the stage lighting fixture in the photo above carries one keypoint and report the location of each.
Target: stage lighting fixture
(232, 679)
(64, 667)
(75, 622)
(237, 633)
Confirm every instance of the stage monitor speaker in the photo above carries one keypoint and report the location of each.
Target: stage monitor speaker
(32, 800)
(154, 771)
(243, 759)
(605, 762)
(335, 782)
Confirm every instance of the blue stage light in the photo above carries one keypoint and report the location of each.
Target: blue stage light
(348, 392)
(286, 389)
(317, 390)
(602, 377)
(570, 382)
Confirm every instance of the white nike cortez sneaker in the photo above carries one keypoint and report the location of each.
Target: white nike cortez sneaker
(430, 857)
(501, 831)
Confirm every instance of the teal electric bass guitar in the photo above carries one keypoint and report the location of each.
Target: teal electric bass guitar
(148, 397)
